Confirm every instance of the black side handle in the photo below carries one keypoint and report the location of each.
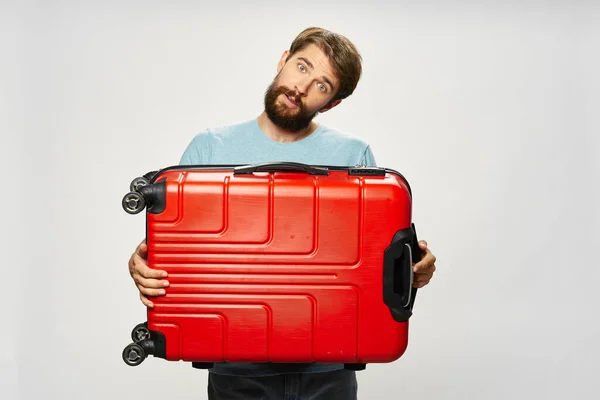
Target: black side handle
(398, 291)
(280, 167)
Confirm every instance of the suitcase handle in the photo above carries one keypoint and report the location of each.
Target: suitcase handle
(398, 291)
(280, 167)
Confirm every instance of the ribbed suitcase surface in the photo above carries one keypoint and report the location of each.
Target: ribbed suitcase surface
(277, 263)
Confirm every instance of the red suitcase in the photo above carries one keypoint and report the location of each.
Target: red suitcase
(277, 262)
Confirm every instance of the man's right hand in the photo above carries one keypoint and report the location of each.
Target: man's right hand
(146, 279)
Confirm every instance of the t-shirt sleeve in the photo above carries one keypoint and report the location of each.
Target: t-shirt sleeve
(368, 159)
(193, 154)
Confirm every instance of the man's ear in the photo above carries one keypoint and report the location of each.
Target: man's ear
(330, 105)
(282, 60)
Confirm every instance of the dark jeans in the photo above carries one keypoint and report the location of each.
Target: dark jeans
(335, 385)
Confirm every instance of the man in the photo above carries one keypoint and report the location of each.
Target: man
(320, 69)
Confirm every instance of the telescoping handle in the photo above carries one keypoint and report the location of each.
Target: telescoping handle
(398, 291)
(280, 167)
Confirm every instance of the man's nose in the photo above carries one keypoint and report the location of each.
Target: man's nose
(302, 86)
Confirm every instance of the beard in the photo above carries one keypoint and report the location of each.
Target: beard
(282, 116)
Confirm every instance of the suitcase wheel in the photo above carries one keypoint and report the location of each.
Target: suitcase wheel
(355, 367)
(140, 332)
(133, 203)
(138, 183)
(134, 354)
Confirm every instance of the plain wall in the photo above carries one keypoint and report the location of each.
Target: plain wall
(490, 111)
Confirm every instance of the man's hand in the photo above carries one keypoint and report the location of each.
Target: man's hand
(425, 268)
(146, 279)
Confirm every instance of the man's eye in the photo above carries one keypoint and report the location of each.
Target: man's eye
(322, 87)
(301, 67)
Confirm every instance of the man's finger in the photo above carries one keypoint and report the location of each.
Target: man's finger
(428, 259)
(422, 266)
(424, 269)
(143, 250)
(145, 301)
(151, 283)
(419, 285)
(422, 277)
(151, 292)
(148, 272)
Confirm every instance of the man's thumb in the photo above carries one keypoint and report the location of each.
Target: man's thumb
(143, 250)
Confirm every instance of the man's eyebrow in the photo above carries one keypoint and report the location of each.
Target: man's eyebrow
(312, 67)
(307, 62)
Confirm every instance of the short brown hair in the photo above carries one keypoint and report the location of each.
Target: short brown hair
(346, 60)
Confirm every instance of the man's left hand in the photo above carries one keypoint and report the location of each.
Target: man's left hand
(424, 269)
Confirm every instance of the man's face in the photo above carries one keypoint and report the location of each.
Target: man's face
(304, 86)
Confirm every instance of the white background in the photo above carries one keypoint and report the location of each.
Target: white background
(490, 110)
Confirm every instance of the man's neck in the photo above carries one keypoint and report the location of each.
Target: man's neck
(281, 135)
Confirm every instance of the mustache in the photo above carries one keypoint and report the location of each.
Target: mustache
(290, 93)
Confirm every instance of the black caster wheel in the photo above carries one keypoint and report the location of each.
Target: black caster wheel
(134, 354)
(138, 183)
(140, 332)
(133, 203)
(355, 367)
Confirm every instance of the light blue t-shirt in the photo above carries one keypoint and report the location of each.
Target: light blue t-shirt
(245, 143)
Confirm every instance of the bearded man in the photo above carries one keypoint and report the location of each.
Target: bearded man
(320, 69)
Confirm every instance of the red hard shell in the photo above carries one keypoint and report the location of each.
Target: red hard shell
(276, 266)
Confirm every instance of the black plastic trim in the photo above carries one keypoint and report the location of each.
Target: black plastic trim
(202, 365)
(281, 167)
(155, 195)
(148, 346)
(398, 290)
(355, 367)
(160, 344)
(367, 171)
(150, 175)
(217, 167)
